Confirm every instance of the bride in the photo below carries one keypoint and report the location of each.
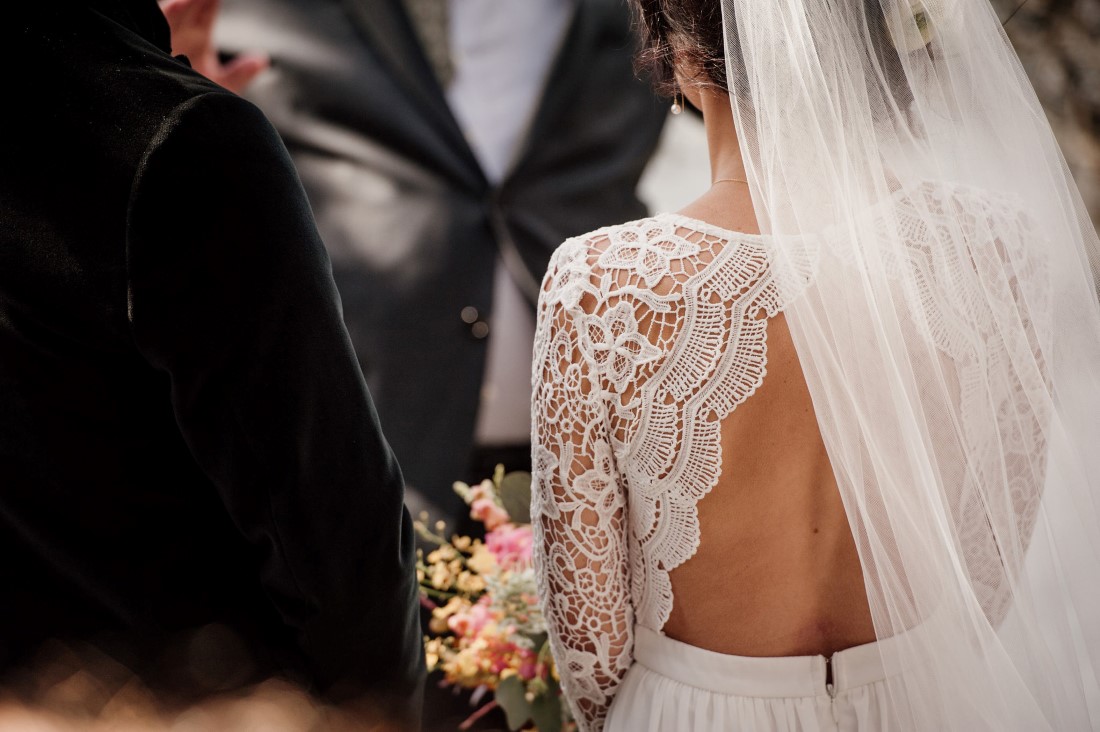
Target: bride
(817, 452)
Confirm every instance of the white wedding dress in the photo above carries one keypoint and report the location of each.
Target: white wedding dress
(642, 407)
(937, 275)
(650, 333)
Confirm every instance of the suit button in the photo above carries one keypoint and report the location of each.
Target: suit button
(480, 330)
(469, 315)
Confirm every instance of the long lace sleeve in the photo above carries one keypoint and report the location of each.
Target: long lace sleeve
(579, 508)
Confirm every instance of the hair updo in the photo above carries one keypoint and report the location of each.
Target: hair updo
(681, 33)
(687, 34)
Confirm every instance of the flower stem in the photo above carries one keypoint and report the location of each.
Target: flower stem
(437, 594)
(473, 718)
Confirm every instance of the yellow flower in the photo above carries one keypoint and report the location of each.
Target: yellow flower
(469, 583)
(434, 650)
(482, 560)
(440, 615)
(441, 578)
(444, 553)
(466, 664)
(454, 605)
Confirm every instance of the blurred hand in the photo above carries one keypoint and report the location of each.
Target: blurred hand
(192, 24)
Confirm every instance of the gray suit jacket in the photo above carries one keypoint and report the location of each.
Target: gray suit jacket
(411, 224)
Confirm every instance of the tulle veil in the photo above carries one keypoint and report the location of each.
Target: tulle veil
(941, 273)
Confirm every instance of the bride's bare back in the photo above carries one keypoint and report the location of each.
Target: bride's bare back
(776, 572)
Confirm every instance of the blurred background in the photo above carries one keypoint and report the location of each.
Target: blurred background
(1059, 44)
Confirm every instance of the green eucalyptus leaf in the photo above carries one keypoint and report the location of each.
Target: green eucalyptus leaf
(511, 696)
(515, 496)
(546, 710)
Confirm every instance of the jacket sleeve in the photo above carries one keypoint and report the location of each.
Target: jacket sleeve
(231, 294)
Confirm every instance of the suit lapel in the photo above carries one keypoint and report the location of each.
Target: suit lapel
(389, 32)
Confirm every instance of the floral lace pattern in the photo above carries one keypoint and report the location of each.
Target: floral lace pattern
(649, 334)
(966, 294)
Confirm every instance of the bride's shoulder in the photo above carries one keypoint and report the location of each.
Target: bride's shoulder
(592, 246)
(636, 261)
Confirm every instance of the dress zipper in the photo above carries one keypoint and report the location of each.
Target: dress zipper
(830, 684)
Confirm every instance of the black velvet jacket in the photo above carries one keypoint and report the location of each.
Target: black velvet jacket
(185, 434)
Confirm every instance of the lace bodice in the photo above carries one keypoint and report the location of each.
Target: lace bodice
(649, 334)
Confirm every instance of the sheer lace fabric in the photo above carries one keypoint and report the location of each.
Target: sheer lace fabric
(980, 297)
(649, 334)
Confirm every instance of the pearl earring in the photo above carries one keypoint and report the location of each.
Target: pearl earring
(677, 106)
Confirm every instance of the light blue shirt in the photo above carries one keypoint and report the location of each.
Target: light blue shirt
(503, 53)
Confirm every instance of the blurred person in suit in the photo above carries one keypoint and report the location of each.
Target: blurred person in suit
(194, 479)
(447, 148)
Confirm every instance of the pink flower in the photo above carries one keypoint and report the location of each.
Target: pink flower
(484, 489)
(528, 670)
(471, 622)
(499, 664)
(488, 512)
(511, 545)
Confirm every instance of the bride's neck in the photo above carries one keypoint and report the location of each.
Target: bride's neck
(727, 205)
(725, 149)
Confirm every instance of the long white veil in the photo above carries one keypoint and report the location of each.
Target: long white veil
(942, 269)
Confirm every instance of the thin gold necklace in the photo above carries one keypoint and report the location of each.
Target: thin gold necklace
(729, 180)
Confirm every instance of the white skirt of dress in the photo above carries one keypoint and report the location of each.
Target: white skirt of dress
(676, 686)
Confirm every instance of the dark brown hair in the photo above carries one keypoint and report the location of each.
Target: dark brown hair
(685, 33)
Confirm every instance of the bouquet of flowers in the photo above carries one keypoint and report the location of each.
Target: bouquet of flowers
(487, 631)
